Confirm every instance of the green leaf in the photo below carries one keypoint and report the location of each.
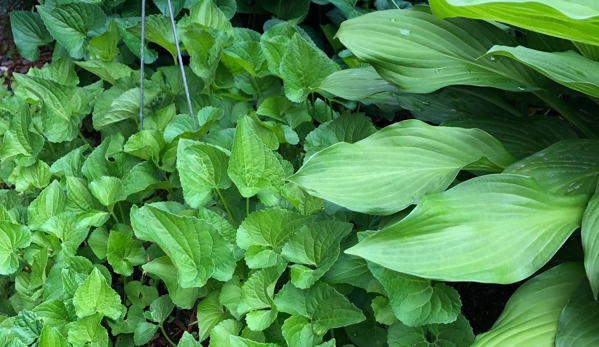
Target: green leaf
(568, 167)
(145, 144)
(68, 228)
(521, 136)
(206, 14)
(356, 84)
(94, 295)
(352, 270)
(243, 57)
(188, 241)
(324, 306)
(108, 190)
(51, 337)
(123, 252)
(417, 301)
(53, 313)
(29, 32)
(109, 71)
(578, 321)
(140, 295)
(314, 249)
(298, 332)
(418, 159)
(144, 332)
(452, 52)
(104, 47)
(21, 143)
(257, 292)
(288, 10)
(88, 332)
(157, 30)
(202, 167)
(70, 164)
(572, 20)
(348, 128)
(30, 177)
(187, 340)
(209, 313)
(98, 241)
(274, 107)
(219, 336)
(531, 315)
(163, 267)
(12, 237)
(590, 242)
(567, 68)
(161, 308)
(70, 24)
(456, 334)
(263, 234)
(124, 105)
(253, 167)
(27, 326)
(513, 213)
(58, 106)
(50, 202)
(303, 68)
(303, 202)
(383, 311)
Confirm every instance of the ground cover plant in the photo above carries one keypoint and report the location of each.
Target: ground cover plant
(280, 201)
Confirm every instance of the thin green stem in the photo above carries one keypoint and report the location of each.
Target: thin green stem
(247, 206)
(222, 199)
(279, 9)
(166, 336)
(558, 105)
(163, 174)
(122, 213)
(85, 140)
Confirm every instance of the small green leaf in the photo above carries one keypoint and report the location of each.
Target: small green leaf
(51, 337)
(417, 301)
(50, 202)
(252, 167)
(163, 267)
(458, 334)
(161, 308)
(209, 313)
(12, 237)
(29, 32)
(187, 340)
(88, 332)
(383, 311)
(157, 30)
(512, 212)
(303, 68)
(95, 296)
(98, 241)
(219, 336)
(202, 167)
(123, 252)
(104, 47)
(145, 144)
(298, 332)
(590, 242)
(257, 292)
(314, 249)
(109, 71)
(206, 14)
(236, 341)
(21, 142)
(69, 24)
(108, 190)
(140, 295)
(144, 332)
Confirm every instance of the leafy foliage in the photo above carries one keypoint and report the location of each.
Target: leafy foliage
(291, 209)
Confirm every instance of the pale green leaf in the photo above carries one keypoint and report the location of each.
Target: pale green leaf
(298, 332)
(29, 32)
(108, 71)
(383, 311)
(531, 315)
(158, 30)
(94, 295)
(219, 336)
(144, 332)
(70, 24)
(314, 248)
(188, 241)
(187, 340)
(163, 267)
(202, 167)
(257, 292)
(123, 252)
(394, 42)
(417, 159)
(209, 313)
(51, 337)
(237, 341)
(104, 47)
(98, 242)
(206, 14)
(567, 68)
(30, 177)
(417, 301)
(123, 105)
(21, 143)
(88, 332)
(356, 84)
(303, 68)
(574, 20)
(568, 167)
(578, 322)
(253, 167)
(590, 242)
(161, 308)
(243, 57)
(145, 144)
(50, 202)
(514, 215)
(108, 190)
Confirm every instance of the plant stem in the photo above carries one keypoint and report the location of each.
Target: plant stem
(222, 199)
(558, 105)
(111, 211)
(166, 336)
(85, 140)
(247, 206)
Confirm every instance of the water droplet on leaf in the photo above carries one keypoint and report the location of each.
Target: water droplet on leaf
(405, 32)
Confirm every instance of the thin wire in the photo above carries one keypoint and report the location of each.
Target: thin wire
(141, 65)
(170, 12)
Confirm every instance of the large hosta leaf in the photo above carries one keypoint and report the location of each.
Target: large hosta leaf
(590, 242)
(397, 166)
(420, 54)
(478, 222)
(579, 321)
(568, 167)
(568, 68)
(530, 317)
(574, 20)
